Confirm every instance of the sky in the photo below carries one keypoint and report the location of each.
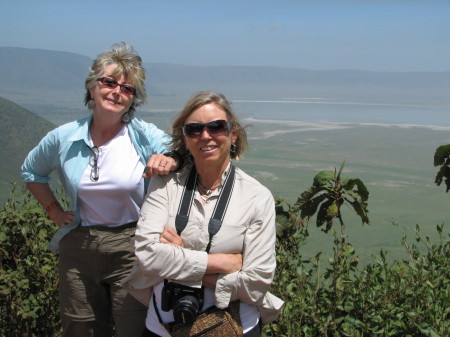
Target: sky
(376, 35)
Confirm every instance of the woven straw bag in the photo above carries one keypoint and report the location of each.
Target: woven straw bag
(213, 322)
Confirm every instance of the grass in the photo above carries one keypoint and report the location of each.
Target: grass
(395, 163)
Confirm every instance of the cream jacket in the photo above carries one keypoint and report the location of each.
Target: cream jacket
(248, 228)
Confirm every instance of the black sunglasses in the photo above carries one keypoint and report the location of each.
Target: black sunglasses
(214, 128)
(94, 159)
(112, 83)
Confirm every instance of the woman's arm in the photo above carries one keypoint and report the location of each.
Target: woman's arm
(217, 263)
(44, 195)
(160, 161)
(223, 263)
(157, 259)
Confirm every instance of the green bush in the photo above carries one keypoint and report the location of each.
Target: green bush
(402, 298)
(28, 270)
(405, 298)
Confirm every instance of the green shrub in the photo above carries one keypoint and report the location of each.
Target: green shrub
(405, 298)
(28, 270)
(402, 298)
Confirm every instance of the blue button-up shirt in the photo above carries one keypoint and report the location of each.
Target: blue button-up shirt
(66, 151)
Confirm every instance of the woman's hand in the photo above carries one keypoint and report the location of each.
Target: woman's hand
(170, 236)
(210, 280)
(159, 164)
(61, 217)
(44, 195)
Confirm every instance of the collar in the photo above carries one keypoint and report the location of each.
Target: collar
(183, 174)
(82, 132)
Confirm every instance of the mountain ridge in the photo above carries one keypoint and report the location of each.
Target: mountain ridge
(39, 74)
(22, 130)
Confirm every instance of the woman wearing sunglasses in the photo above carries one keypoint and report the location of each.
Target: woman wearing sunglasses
(237, 263)
(100, 161)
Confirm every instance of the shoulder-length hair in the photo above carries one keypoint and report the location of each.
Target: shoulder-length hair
(129, 64)
(197, 101)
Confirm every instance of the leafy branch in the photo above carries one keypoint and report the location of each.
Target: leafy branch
(442, 158)
(328, 194)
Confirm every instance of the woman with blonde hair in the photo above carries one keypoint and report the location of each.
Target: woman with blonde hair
(206, 234)
(100, 161)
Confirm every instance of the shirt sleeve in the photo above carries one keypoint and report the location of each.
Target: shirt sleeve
(42, 160)
(252, 282)
(160, 260)
(153, 139)
(160, 140)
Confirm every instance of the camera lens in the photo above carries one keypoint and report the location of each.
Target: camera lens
(185, 309)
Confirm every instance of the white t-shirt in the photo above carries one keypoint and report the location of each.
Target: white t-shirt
(116, 197)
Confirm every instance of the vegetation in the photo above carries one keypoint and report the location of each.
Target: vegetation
(407, 297)
(28, 270)
(442, 159)
(328, 194)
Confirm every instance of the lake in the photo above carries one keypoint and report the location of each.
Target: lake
(322, 110)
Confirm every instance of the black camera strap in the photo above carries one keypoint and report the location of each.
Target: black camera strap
(215, 223)
(187, 197)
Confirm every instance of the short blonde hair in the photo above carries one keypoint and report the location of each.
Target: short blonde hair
(129, 64)
(198, 100)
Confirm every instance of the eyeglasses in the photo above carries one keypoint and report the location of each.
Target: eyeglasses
(94, 159)
(112, 83)
(214, 128)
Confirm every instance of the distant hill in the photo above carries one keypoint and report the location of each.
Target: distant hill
(31, 69)
(42, 74)
(43, 79)
(21, 131)
(276, 83)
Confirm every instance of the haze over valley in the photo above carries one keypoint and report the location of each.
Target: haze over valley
(385, 125)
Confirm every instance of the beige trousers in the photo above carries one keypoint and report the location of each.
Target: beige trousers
(92, 263)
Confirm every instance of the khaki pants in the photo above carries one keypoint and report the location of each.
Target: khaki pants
(92, 263)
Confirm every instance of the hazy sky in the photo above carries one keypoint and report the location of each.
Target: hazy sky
(391, 35)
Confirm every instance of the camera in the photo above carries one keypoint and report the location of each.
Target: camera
(185, 301)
